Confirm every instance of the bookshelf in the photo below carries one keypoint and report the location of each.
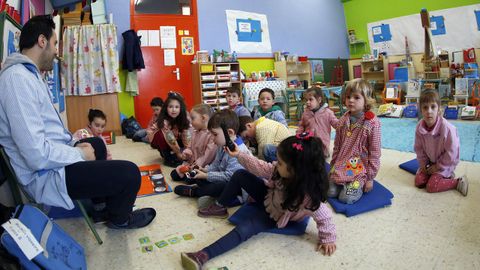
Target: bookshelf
(211, 81)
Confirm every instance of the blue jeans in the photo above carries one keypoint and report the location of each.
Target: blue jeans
(270, 152)
(141, 135)
(346, 193)
(258, 222)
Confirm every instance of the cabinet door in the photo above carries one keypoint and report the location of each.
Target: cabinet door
(108, 103)
(77, 111)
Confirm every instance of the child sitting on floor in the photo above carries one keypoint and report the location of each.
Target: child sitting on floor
(146, 135)
(202, 148)
(266, 101)
(97, 120)
(318, 118)
(438, 149)
(357, 147)
(174, 130)
(211, 180)
(288, 191)
(267, 134)
(233, 101)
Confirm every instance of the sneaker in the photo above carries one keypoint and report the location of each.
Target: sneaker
(194, 260)
(184, 190)
(137, 219)
(213, 210)
(205, 201)
(462, 185)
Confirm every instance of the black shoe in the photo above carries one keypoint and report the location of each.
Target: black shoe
(99, 217)
(137, 139)
(137, 219)
(184, 190)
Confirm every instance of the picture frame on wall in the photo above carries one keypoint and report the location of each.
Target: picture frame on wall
(10, 31)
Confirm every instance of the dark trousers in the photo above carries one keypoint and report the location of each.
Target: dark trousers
(159, 143)
(204, 188)
(260, 221)
(114, 181)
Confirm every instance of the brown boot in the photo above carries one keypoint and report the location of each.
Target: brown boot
(194, 260)
(213, 210)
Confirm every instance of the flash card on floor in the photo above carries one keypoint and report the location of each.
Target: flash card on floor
(144, 240)
(188, 236)
(174, 240)
(161, 244)
(147, 249)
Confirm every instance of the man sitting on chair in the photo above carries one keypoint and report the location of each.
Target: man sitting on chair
(42, 153)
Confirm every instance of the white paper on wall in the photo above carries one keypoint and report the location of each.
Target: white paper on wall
(153, 38)
(169, 57)
(143, 34)
(168, 37)
(263, 46)
(460, 26)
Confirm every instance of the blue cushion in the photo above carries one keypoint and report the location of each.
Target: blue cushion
(377, 198)
(247, 210)
(410, 166)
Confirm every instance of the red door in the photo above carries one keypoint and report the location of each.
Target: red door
(157, 79)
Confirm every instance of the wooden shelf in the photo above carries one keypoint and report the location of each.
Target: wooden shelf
(216, 92)
(288, 71)
(366, 72)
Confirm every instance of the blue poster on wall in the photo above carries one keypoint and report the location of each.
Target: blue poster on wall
(477, 15)
(381, 33)
(437, 25)
(53, 82)
(249, 30)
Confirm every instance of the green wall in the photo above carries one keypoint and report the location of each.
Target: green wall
(125, 100)
(261, 64)
(358, 13)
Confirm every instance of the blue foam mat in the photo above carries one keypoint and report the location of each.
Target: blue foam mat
(247, 210)
(378, 197)
(410, 166)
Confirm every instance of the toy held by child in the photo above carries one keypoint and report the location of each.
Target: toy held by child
(202, 149)
(267, 107)
(234, 103)
(146, 135)
(318, 118)
(211, 180)
(292, 189)
(97, 121)
(438, 149)
(175, 130)
(357, 147)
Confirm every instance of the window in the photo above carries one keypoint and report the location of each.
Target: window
(174, 7)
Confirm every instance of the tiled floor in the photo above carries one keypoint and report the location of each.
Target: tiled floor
(419, 231)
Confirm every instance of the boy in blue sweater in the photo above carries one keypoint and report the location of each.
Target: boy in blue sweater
(211, 180)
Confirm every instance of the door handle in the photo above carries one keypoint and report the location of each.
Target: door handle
(177, 71)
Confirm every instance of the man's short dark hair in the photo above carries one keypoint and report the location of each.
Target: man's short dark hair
(244, 120)
(227, 117)
(156, 101)
(36, 26)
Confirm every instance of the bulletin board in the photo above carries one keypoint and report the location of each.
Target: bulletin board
(10, 36)
(248, 32)
(452, 29)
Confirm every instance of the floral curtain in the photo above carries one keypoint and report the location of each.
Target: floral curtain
(90, 60)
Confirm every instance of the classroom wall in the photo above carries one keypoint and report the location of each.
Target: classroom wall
(313, 28)
(360, 12)
(303, 27)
